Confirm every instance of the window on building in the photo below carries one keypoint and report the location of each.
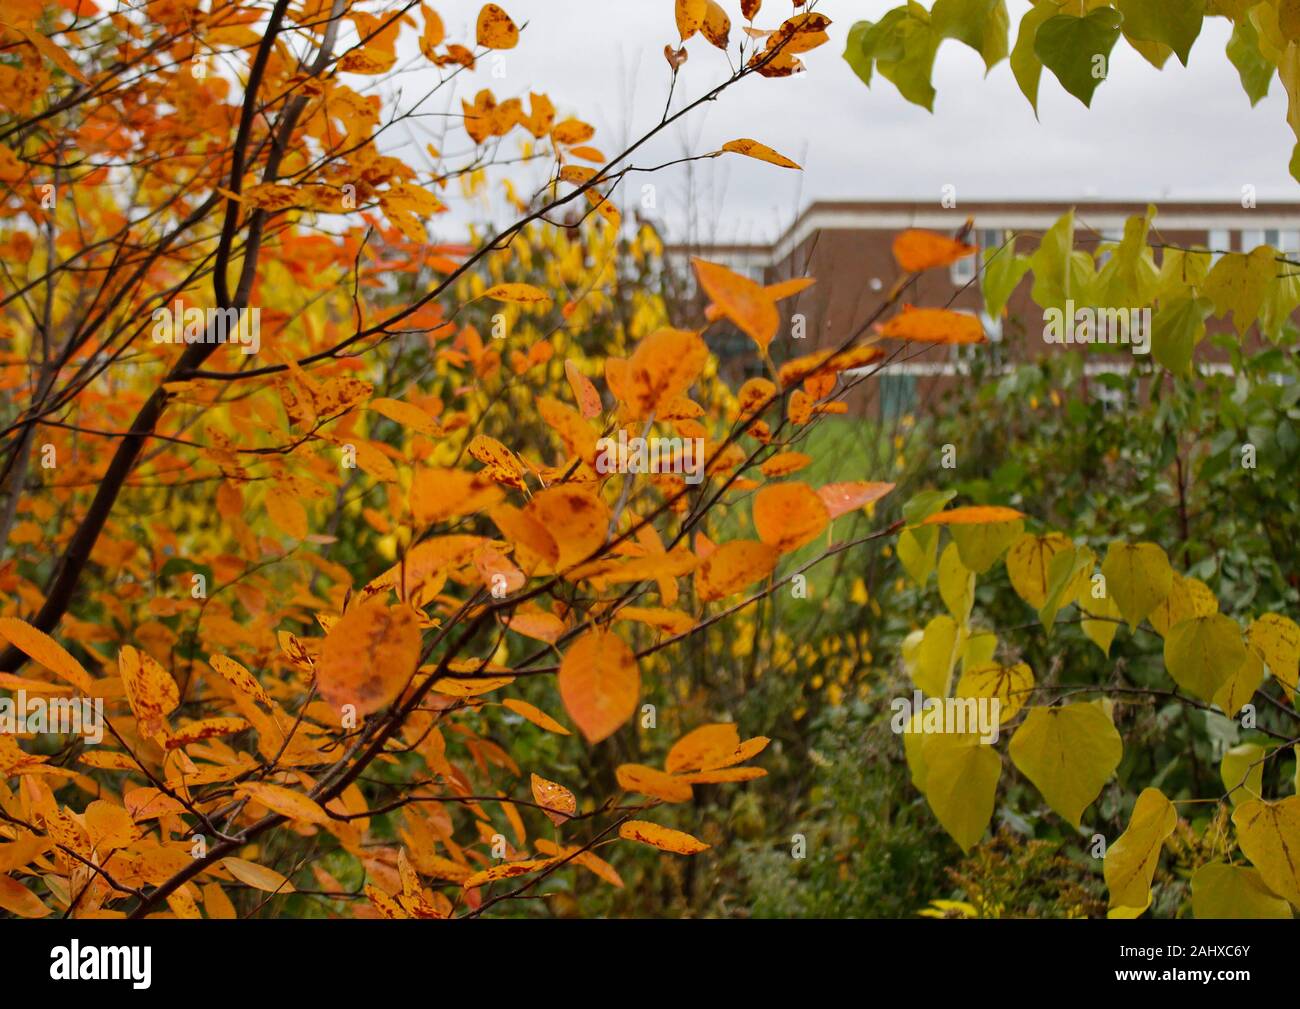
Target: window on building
(963, 271)
(1278, 238)
(897, 395)
(1107, 236)
(1219, 241)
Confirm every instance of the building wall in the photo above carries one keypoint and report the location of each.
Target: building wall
(847, 247)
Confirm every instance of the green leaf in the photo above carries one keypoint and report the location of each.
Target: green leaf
(1025, 63)
(1067, 574)
(917, 549)
(961, 777)
(981, 544)
(1240, 686)
(1069, 753)
(956, 584)
(1174, 24)
(1138, 578)
(1203, 652)
(935, 656)
(1242, 771)
(1001, 275)
(1077, 50)
(981, 24)
(902, 45)
(922, 505)
(1176, 330)
(1100, 632)
(1051, 264)
(855, 55)
(1255, 71)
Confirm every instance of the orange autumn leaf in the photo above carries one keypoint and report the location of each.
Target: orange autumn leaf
(150, 689)
(535, 715)
(441, 494)
(934, 325)
(827, 363)
(259, 877)
(495, 30)
(285, 801)
(724, 775)
(753, 149)
(526, 531)
(841, 498)
(599, 683)
(518, 294)
(405, 414)
(690, 16)
(788, 515)
(45, 651)
(369, 655)
(17, 899)
(204, 728)
(239, 678)
(918, 250)
(287, 512)
(507, 870)
(672, 622)
(559, 804)
(751, 308)
(589, 404)
(703, 747)
(662, 368)
(592, 863)
(783, 289)
(575, 518)
(663, 838)
(734, 566)
(717, 25)
(974, 515)
(652, 782)
(541, 626)
(784, 463)
(499, 463)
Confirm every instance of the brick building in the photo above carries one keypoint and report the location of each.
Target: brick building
(847, 247)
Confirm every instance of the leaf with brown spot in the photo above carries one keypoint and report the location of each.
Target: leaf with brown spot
(150, 690)
(734, 566)
(559, 804)
(741, 300)
(663, 838)
(369, 655)
(495, 30)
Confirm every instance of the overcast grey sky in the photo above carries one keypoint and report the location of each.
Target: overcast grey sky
(1151, 135)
